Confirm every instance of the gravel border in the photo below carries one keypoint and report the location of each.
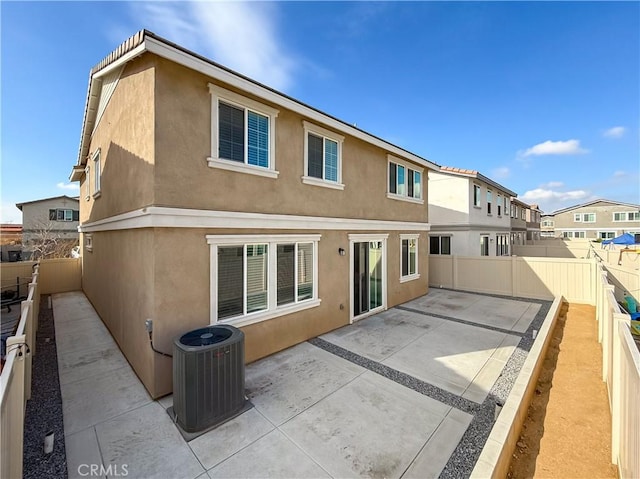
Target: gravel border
(44, 409)
(463, 459)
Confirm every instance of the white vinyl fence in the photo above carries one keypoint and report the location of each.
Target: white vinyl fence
(15, 381)
(621, 372)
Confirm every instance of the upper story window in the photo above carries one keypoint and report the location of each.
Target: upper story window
(64, 215)
(405, 183)
(87, 181)
(476, 195)
(489, 194)
(523, 214)
(506, 206)
(584, 217)
(242, 134)
(547, 223)
(96, 173)
(322, 157)
(514, 211)
(499, 205)
(626, 216)
(409, 257)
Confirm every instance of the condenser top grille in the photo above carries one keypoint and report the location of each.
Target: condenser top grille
(205, 336)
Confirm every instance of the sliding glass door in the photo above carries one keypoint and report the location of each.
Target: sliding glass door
(368, 277)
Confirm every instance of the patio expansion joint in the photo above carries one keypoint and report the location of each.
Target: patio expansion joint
(404, 379)
(461, 321)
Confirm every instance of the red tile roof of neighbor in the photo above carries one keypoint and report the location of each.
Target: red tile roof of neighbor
(10, 228)
(458, 170)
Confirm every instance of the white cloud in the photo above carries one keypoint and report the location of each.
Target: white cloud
(9, 213)
(569, 147)
(211, 28)
(615, 132)
(501, 173)
(550, 200)
(553, 184)
(619, 174)
(68, 186)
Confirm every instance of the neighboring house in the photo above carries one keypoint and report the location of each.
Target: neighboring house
(518, 215)
(547, 229)
(598, 219)
(10, 242)
(469, 214)
(48, 222)
(533, 214)
(210, 198)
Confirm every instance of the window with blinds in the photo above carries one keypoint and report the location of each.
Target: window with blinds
(243, 131)
(322, 154)
(245, 280)
(408, 257)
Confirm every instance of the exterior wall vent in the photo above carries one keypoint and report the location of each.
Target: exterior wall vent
(208, 378)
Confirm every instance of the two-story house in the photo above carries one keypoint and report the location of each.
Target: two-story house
(469, 213)
(210, 198)
(49, 226)
(598, 219)
(518, 216)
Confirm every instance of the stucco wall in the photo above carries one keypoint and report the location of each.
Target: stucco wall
(604, 220)
(182, 293)
(124, 136)
(118, 278)
(183, 143)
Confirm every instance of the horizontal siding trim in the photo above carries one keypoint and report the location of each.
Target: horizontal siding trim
(163, 217)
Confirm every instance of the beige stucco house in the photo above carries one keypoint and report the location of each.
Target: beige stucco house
(210, 198)
(47, 221)
(603, 219)
(469, 213)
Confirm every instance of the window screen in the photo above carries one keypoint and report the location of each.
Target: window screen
(231, 132)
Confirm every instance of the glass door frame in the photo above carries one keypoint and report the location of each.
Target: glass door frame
(360, 238)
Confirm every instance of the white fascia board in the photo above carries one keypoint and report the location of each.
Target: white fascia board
(182, 58)
(162, 217)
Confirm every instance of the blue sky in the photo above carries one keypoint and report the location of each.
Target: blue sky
(543, 97)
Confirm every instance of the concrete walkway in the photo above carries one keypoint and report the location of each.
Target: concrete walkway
(409, 392)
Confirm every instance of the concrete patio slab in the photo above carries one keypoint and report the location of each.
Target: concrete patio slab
(82, 451)
(393, 395)
(384, 334)
(91, 401)
(217, 445)
(435, 454)
(451, 357)
(289, 382)
(372, 427)
(272, 456)
(148, 443)
(87, 363)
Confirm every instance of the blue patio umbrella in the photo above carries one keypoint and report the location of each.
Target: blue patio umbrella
(625, 239)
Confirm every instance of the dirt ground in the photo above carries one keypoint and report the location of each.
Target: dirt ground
(567, 433)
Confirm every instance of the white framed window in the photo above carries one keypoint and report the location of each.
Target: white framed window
(409, 257)
(547, 223)
(523, 214)
(476, 196)
(96, 173)
(626, 216)
(439, 244)
(255, 277)
(489, 194)
(506, 206)
(61, 214)
(404, 181)
(322, 157)
(574, 234)
(499, 205)
(502, 245)
(584, 217)
(242, 134)
(88, 242)
(606, 234)
(484, 245)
